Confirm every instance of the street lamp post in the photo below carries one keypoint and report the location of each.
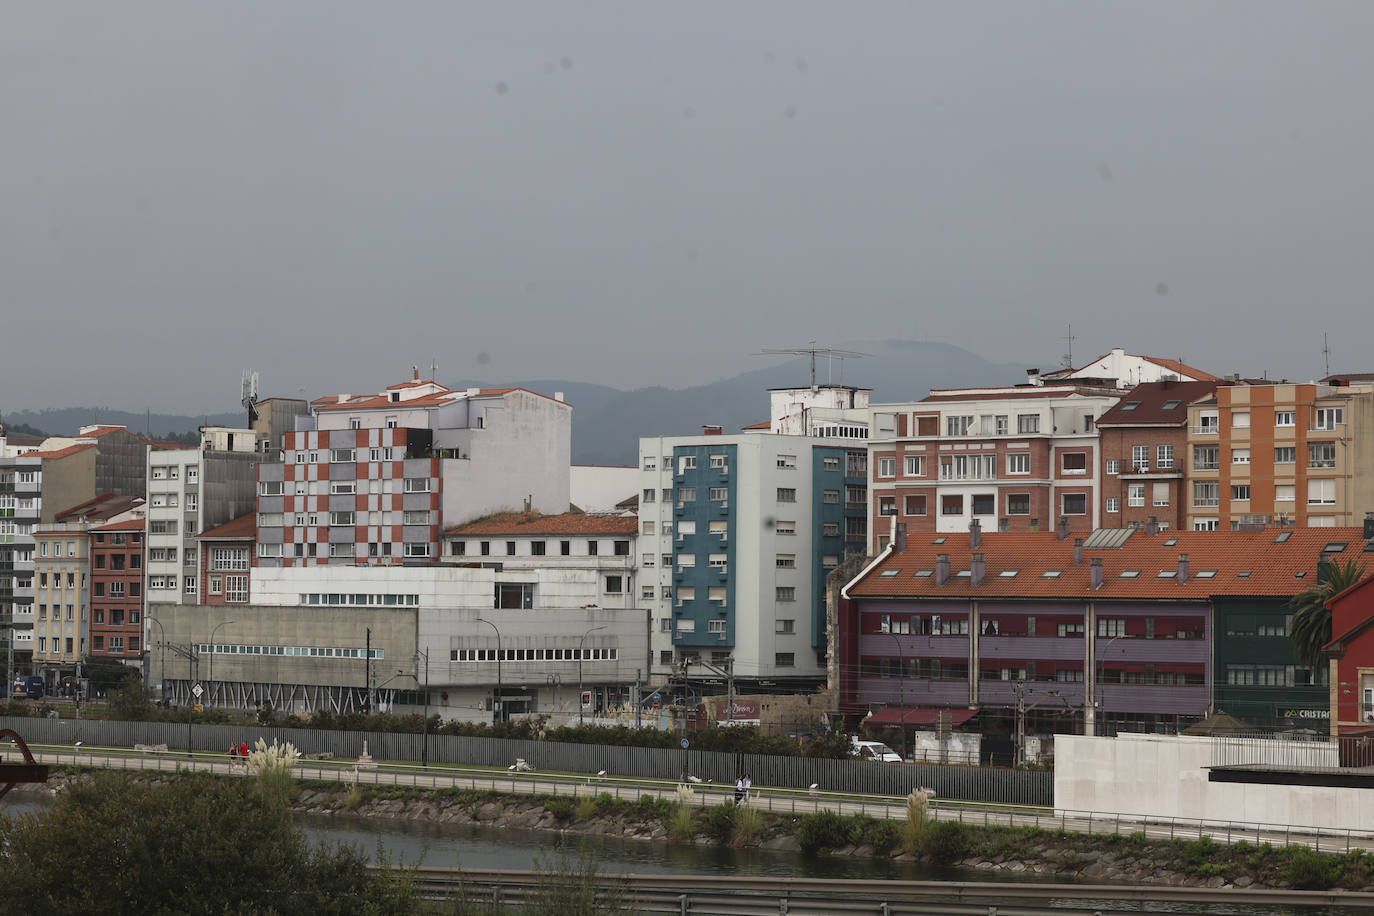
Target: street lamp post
(901, 688)
(212, 656)
(1101, 663)
(499, 709)
(579, 669)
(162, 661)
(553, 680)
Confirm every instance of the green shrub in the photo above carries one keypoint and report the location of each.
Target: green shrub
(586, 809)
(748, 825)
(883, 836)
(559, 807)
(1310, 871)
(651, 806)
(720, 821)
(945, 841)
(682, 824)
(1199, 852)
(821, 831)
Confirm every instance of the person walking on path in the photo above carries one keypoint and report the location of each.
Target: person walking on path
(243, 752)
(739, 790)
(748, 785)
(233, 757)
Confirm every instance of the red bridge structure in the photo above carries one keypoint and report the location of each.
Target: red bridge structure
(12, 774)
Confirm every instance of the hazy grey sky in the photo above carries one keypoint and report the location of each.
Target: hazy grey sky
(644, 193)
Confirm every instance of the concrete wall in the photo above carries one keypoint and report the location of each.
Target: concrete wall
(1164, 776)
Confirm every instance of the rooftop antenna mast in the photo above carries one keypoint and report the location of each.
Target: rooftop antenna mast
(1069, 339)
(1326, 354)
(830, 353)
(434, 369)
(248, 388)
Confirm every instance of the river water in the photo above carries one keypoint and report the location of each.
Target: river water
(471, 846)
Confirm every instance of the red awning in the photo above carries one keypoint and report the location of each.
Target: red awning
(918, 716)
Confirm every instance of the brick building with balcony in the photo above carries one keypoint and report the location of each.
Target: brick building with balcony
(117, 555)
(226, 555)
(1144, 454)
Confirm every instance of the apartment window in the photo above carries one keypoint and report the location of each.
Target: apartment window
(1240, 419)
(1285, 493)
(1074, 462)
(951, 504)
(343, 487)
(1206, 457)
(856, 464)
(887, 467)
(1019, 463)
(720, 462)
(648, 495)
(342, 455)
(1017, 504)
(1286, 454)
(830, 463)
(1206, 493)
(510, 548)
(191, 585)
(830, 530)
(1001, 424)
(787, 462)
(615, 585)
(984, 504)
(1208, 423)
(789, 494)
(408, 517)
(538, 548)
(1321, 455)
(340, 519)
(1285, 418)
(957, 426)
(1027, 423)
(687, 494)
(340, 550)
(915, 465)
(1140, 458)
(416, 549)
(647, 559)
(785, 593)
(592, 547)
(565, 548)
(1075, 504)
(715, 626)
(831, 496)
(650, 462)
(665, 657)
(390, 422)
(887, 505)
(230, 558)
(1113, 466)
(1321, 492)
(1135, 495)
(1161, 494)
(1240, 491)
(1328, 417)
(417, 484)
(1113, 504)
(1111, 626)
(1164, 457)
(236, 588)
(269, 550)
(1205, 524)
(514, 595)
(784, 660)
(1240, 456)
(722, 494)
(915, 505)
(786, 561)
(785, 527)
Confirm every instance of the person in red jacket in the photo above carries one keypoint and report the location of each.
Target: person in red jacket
(243, 751)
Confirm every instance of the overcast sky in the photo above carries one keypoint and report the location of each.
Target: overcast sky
(645, 193)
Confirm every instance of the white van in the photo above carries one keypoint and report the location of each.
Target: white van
(875, 751)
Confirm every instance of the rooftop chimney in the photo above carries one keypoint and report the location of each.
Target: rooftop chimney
(975, 534)
(978, 569)
(1182, 568)
(1063, 527)
(1096, 571)
(558, 396)
(473, 392)
(899, 537)
(941, 569)
(1152, 526)
(1077, 551)
(415, 373)
(713, 430)
(1033, 377)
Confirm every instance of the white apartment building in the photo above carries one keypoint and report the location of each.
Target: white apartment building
(190, 490)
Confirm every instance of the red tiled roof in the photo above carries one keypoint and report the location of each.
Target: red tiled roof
(447, 396)
(1150, 399)
(517, 523)
(106, 505)
(944, 395)
(766, 424)
(1272, 569)
(245, 526)
(61, 452)
(132, 524)
(1182, 368)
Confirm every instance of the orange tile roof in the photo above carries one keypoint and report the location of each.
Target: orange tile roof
(944, 395)
(133, 524)
(1271, 569)
(766, 424)
(61, 452)
(517, 523)
(1183, 368)
(245, 526)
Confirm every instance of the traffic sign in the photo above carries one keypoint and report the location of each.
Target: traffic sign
(684, 744)
(655, 697)
(196, 691)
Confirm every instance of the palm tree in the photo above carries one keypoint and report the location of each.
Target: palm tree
(1311, 618)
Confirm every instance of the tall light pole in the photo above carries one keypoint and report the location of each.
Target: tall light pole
(901, 688)
(162, 661)
(1101, 662)
(424, 751)
(579, 669)
(499, 707)
(217, 628)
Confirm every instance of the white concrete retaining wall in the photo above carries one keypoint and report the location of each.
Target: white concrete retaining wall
(1165, 776)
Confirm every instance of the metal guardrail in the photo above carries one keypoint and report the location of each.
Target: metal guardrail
(799, 896)
(775, 800)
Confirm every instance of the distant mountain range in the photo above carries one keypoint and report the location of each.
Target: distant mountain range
(608, 422)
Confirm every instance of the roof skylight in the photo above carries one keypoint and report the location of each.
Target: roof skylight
(1130, 574)
(888, 573)
(1130, 405)
(1051, 574)
(1205, 574)
(923, 574)
(1170, 405)
(1335, 547)
(1167, 574)
(1008, 573)
(1283, 537)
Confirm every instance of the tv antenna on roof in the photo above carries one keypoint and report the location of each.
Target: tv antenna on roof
(830, 353)
(1326, 354)
(1069, 339)
(248, 388)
